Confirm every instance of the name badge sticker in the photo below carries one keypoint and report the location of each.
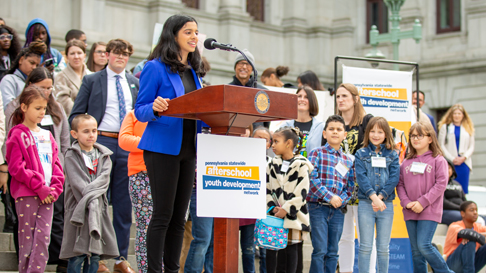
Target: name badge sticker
(418, 167)
(45, 147)
(342, 169)
(378, 162)
(285, 166)
(88, 162)
(47, 120)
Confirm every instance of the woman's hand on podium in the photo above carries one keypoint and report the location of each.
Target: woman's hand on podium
(160, 104)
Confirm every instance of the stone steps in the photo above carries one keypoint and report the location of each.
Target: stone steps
(8, 258)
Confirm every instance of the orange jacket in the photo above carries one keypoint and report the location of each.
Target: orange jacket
(452, 242)
(131, 132)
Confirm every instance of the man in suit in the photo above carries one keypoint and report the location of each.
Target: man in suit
(108, 95)
(421, 103)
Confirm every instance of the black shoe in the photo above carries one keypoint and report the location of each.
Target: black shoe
(8, 228)
(61, 269)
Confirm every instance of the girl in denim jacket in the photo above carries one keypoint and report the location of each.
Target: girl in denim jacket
(377, 172)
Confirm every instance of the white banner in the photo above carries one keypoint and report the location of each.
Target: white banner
(384, 93)
(231, 177)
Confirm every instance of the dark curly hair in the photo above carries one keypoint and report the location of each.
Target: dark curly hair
(36, 48)
(15, 46)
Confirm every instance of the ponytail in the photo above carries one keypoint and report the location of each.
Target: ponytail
(300, 135)
(17, 117)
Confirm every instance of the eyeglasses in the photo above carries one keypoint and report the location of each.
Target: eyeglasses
(121, 55)
(419, 137)
(7, 36)
(100, 52)
(241, 64)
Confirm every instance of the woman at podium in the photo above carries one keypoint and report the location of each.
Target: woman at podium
(173, 69)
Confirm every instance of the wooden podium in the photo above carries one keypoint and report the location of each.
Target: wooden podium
(229, 110)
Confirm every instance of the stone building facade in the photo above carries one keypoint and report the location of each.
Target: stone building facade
(300, 34)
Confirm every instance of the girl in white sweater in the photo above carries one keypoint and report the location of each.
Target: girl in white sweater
(287, 186)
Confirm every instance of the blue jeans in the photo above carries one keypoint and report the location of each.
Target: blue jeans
(90, 265)
(420, 233)
(327, 227)
(247, 248)
(466, 259)
(201, 251)
(367, 219)
(450, 216)
(263, 260)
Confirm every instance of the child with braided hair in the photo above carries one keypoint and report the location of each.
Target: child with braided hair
(287, 187)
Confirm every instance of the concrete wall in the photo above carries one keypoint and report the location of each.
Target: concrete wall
(300, 34)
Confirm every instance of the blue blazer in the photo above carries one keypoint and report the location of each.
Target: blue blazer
(163, 134)
(93, 94)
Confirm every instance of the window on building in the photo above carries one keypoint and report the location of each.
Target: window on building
(448, 15)
(376, 14)
(439, 113)
(191, 3)
(256, 9)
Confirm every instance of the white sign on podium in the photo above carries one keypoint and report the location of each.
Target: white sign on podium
(231, 177)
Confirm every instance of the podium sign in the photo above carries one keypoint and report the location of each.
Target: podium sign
(231, 177)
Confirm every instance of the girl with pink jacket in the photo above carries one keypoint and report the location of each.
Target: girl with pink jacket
(37, 178)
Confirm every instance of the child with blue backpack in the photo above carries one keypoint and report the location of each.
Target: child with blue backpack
(287, 187)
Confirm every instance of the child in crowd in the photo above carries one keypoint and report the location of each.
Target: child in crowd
(37, 178)
(423, 179)
(131, 132)
(331, 187)
(287, 187)
(264, 132)
(88, 232)
(464, 243)
(377, 172)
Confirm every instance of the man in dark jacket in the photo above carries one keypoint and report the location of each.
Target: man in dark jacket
(244, 77)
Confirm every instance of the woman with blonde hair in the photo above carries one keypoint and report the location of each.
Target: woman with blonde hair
(456, 138)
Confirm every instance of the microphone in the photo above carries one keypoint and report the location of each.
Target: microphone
(211, 43)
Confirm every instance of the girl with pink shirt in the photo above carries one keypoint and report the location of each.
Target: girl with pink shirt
(37, 178)
(423, 180)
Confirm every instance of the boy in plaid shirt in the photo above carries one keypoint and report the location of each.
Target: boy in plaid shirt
(331, 187)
